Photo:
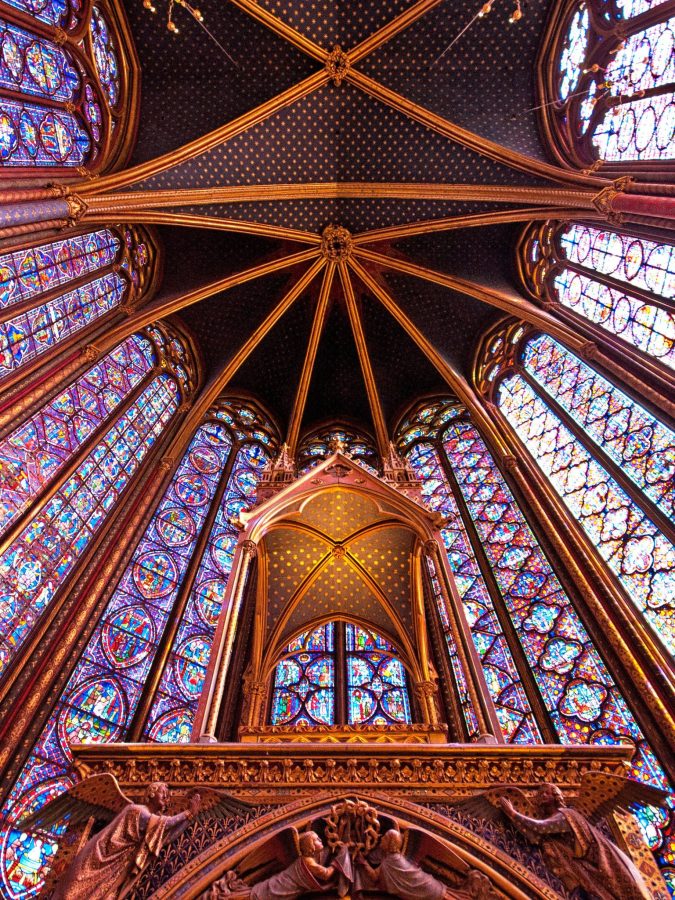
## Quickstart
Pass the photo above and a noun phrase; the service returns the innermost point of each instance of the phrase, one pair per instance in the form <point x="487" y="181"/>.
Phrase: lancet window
<point x="53" y="291"/>
<point x="609" y="88"/>
<point x="143" y="667"/>
<point x="340" y="673"/>
<point x="606" y="456"/>
<point x="318" y="446"/>
<point x="65" y="85"/>
<point x="621" y="283"/>
<point x="544" y="674"/>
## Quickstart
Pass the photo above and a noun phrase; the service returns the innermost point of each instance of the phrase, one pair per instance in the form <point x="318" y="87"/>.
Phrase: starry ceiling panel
<point x="339" y="513"/>
<point x="195" y="256"/>
<point x="485" y="82"/>
<point x="485" y="255"/>
<point x="338" y="591"/>
<point x="452" y="321"/>
<point x="291" y="556"/>
<point x="337" y="385"/>
<point x="224" y="322"/>
<point x="402" y="372"/>
<point x="354" y="214"/>
<point x="272" y="372"/>
<point x="189" y="87"/>
<point x="386" y="555"/>
<point x="336" y="134"/>
<point x="330" y="22"/>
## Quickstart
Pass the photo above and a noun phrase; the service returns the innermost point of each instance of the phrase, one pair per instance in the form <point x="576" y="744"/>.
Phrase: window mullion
<point x="341" y="712"/>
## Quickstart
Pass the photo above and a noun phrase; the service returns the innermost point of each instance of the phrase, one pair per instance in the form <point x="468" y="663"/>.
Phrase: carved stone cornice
<point x="421" y="769"/>
<point x="340" y="734"/>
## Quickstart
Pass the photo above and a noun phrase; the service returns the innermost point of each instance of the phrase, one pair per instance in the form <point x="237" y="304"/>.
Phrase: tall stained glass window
<point x="144" y="663"/>
<point x="610" y="96"/>
<point x="621" y="283"/>
<point x="62" y="93"/>
<point x="53" y="291"/>
<point x="607" y="457"/>
<point x="340" y="673"/>
<point x="318" y="446"/>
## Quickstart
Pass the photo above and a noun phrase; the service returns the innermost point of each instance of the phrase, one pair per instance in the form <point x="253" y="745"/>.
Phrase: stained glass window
<point x="304" y="681"/>
<point x="79" y="78"/>
<point x="377" y="692"/>
<point x="106" y="687"/>
<point x="34" y="453"/>
<point x="501" y="673"/>
<point x="621" y="283"/>
<point x="309" y="680"/>
<point x="55" y="290"/>
<point x="612" y="96"/>
<point x="318" y="446"/>
<point x="178" y="694"/>
<point x="641" y="557"/>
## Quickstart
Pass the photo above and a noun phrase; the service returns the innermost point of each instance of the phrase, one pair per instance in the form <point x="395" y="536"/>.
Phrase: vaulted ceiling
<point x="375" y="151"/>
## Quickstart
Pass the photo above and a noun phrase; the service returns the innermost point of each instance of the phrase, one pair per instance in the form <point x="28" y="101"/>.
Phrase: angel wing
<point x="274" y="855"/>
<point x="99" y="796"/>
<point x="486" y="805"/>
<point x="215" y="804"/>
<point x="601" y="792"/>
<point x="419" y="846"/>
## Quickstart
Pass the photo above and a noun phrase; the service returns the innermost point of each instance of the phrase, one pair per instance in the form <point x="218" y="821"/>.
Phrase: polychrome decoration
<point x="608" y="459"/>
<point x="53" y="291"/>
<point x="62" y="89"/>
<point x="621" y="283"/>
<point x="144" y="664"/>
<point x="609" y="93"/>
<point x="318" y="446"/>
<point x="311" y="687"/>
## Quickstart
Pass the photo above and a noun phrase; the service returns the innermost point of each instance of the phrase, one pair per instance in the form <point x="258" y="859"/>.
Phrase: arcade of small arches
<point x="194" y="589"/>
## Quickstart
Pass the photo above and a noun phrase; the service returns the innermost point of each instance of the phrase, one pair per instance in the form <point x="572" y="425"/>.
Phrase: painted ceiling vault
<point x="258" y="149"/>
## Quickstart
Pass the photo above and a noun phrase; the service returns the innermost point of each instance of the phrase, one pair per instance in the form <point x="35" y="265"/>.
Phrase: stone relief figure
<point x="402" y="877"/>
<point x="304" y="875"/>
<point x="111" y="861"/>
<point x="574" y="849"/>
<point x="357" y="858"/>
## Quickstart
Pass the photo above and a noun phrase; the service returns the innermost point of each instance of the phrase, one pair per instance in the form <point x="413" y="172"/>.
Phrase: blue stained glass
<point x="377" y="691"/>
<point x="501" y="674"/>
<point x="641" y="557"/>
<point x="304" y="684"/>
<point x="52" y="12"/>
<point x="176" y="700"/>
<point x="35" y="66"/>
<point x="30" y="334"/>
<point x="33" y="454"/>
<point x="32" y="135"/>
<point x="25" y="274"/>
<point x="105" y="56"/>
<point x="636" y="441"/>
<point x="37" y="562"/>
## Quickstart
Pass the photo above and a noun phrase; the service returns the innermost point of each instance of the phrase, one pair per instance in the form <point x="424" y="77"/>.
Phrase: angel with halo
<point x="111" y="861"/>
<point x="574" y="849"/>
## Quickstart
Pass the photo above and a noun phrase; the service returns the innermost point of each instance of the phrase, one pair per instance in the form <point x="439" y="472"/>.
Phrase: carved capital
<point x="337" y="65"/>
<point x="249" y="549"/>
<point x="91" y="352"/>
<point x="76" y="208"/>
<point x="509" y="462"/>
<point x="589" y="351"/>
<point x="426" y="689"/>
<point x="167" y="463"/>
<point x="604" y="200"/>
<point x="431" y="549"/>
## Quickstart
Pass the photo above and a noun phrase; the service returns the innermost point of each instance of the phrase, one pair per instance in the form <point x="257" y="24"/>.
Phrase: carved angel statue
<point x="111" y="861"/>
<point x="401" y="875"/>
<point x="577" y="852"/>
<point x="304" y="874"/>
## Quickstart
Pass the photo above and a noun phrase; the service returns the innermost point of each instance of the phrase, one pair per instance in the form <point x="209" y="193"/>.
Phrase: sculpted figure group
<point x="359" y="857"/>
